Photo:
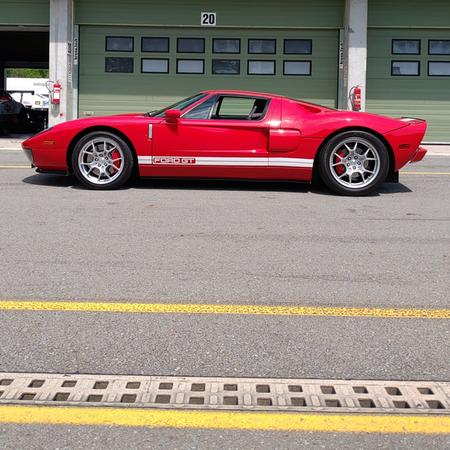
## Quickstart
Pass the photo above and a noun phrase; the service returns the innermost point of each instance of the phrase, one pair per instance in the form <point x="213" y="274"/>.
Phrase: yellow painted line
<point x="220" y="420"/>
<point x="424" y="173"/>
<point x="15" y="167"/>
<point x="195" y="308"/>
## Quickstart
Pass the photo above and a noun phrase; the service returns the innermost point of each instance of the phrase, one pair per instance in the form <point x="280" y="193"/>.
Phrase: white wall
<point x="60" y="58"/>
<point x="355" y="49"/>
<point x="27" y="84"/>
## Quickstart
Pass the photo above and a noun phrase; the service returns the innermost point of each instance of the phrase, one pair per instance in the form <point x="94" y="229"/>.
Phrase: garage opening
<point x="24" y="62"/>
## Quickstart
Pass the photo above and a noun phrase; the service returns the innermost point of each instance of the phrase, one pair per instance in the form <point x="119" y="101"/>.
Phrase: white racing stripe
<point x="225" y="161"/>
<point x="144" y="159"/>
<point x="290" y="162"/>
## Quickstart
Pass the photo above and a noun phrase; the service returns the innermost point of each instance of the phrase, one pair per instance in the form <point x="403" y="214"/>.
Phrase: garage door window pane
<point x="119" y="65"/>
<point x="226" y="66"/>
<point x="297" y="46"/>
<point x="226" y="45"/>
<point x="190" y="66"/>
<point x="405" y="68"/>
<point x="155" y="44"/>
<point x="438" y="47"/>
<point x="297" y="68"/>
<point x="439" y="68"/>
<point x="155" y="65"/>
<point x="405" y="46"/>
<point x="262" y="46"/>
<point x="191" y="45"/>
<point x="119" y="44"/>
<point x="261" y="67"/>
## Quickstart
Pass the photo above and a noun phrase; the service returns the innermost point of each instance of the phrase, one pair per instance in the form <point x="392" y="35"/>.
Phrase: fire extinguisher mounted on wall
<point x="54" y="88"/>
<point x="355" y="98"/>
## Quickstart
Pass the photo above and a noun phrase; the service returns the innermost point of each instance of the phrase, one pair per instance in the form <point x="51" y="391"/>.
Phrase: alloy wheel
<point x="101" y="161"/>
<point x="354" y="163"/>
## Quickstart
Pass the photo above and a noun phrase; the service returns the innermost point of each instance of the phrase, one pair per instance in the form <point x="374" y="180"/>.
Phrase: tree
<point x="26" y="73"/>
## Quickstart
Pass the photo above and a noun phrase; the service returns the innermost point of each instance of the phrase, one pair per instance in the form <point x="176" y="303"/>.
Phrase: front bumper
<point x="29" y="154"/>
<point x="419" y="155"/>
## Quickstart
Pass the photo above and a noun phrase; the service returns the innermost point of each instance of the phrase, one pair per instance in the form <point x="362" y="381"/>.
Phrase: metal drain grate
<point x="226" y="393"/>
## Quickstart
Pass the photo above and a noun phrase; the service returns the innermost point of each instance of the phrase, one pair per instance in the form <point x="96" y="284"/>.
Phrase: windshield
<point x="182" y="104"/>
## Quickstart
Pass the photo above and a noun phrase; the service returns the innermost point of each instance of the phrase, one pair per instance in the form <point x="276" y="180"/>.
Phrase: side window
<point x="201" y="111"/>
<point x="243" y="108"/>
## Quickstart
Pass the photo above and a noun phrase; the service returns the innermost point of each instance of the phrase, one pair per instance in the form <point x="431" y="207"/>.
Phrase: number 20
<point x="208" y="19"/>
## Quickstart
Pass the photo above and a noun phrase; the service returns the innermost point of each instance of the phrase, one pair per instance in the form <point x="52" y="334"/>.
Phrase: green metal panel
<point x="264" y="13"/>
<point x="423" y="96"/>
<point x="105" y="93"/>
<point x="24" y="12"/>
<point x="409" y="13"/>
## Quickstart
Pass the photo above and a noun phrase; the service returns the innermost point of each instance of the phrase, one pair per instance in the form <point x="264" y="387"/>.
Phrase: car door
<point x="291" y="155"/>
<point x="224" y="136"/>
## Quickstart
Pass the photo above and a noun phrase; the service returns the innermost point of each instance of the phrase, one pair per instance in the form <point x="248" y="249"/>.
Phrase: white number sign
<point x="208" y="19"/>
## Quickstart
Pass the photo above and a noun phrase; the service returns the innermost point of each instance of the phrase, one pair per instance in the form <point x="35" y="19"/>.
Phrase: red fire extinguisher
<point x="56" y="93"/>
<point x="355" y="98"/>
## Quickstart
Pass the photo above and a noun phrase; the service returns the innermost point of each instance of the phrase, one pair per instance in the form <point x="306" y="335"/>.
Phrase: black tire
<point x="342" y="187"/>
<point x="126" y="170"/>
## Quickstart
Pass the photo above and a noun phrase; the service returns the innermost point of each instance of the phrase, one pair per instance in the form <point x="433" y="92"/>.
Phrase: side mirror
<point x="172" y="115"/>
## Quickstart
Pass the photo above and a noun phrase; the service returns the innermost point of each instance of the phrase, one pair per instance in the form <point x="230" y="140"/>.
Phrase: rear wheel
<point x="102" y="160"/>
<point x="354" y="163"/>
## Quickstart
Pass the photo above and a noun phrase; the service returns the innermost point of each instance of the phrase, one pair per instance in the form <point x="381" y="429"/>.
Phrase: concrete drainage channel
<point x="243" y="394"/>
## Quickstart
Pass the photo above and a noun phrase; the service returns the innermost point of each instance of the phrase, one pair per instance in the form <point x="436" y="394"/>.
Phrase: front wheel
<point x="102" y="160"/>
<point x="354" y="163"/>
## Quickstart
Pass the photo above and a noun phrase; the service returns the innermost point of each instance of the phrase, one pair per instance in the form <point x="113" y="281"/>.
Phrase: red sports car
<point x="233" y="134"/>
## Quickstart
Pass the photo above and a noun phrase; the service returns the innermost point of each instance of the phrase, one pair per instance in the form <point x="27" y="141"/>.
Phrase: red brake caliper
<point x="116" y="164"/>
<point x="340" y="169"/>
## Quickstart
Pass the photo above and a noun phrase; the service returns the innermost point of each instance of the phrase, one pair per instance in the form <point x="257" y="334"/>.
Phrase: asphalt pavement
<point x="13" y="437"/>
<point x="223" y="242"/>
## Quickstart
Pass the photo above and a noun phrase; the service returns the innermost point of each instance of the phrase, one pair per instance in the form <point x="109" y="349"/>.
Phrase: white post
<point x="355" y="49"/>
<point x="60" y="58"/>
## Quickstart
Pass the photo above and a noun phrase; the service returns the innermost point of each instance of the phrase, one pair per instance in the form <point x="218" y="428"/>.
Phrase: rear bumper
<point x="405" y="142"/>
<point x="419" y="155"/>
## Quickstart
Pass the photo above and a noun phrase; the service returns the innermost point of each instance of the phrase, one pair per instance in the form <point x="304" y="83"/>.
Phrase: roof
<point x="237" y="92"/>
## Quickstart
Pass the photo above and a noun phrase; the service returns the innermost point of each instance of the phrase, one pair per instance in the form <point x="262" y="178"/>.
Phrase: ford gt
<point x="237" y="135"/>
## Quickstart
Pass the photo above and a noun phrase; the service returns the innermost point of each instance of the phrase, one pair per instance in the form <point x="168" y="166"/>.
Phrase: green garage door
<point x="408" y="74"/>
<point x="124" y="69"/>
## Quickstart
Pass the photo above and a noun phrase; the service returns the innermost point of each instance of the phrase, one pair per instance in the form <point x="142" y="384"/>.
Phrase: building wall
<point x="422" y="96"/>
<point x="24" y="12"/>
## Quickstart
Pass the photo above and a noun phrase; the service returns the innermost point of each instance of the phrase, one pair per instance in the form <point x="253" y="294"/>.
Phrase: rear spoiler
<point x="411" y="119"/>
